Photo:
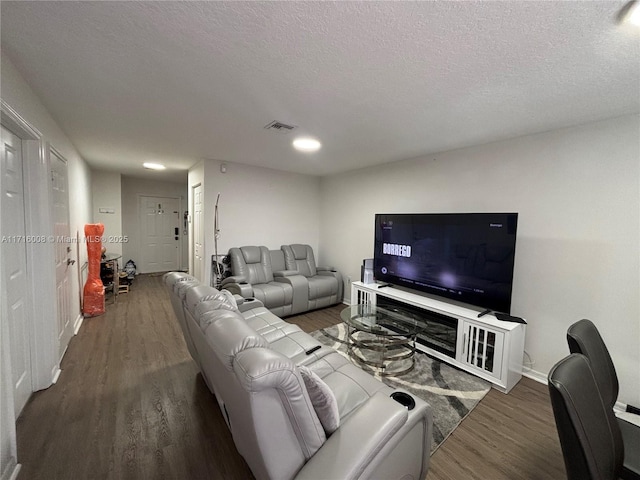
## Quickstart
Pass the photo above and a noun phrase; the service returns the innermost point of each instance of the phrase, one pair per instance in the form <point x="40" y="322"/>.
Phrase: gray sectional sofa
<point x="297" y="409"/>
<point x="287" y="281"/>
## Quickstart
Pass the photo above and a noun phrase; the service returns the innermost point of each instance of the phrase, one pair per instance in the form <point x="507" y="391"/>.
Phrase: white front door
<point x="160" y="233"/>
<point x="198" y="234"/>
<point x="14" y="243"/>
<point x="61" y="230"/>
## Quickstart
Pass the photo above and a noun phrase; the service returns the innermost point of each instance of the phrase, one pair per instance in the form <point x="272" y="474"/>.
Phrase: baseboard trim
<point x="11" y="471"/>
<point x="534" y="375"/>
<point x="620" y="407"/>
<point x="56" y="375"/>
<point x="78" y="323"/>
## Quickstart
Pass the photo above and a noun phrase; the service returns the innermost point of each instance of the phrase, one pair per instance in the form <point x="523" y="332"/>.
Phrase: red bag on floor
<point x="93" y="294"/>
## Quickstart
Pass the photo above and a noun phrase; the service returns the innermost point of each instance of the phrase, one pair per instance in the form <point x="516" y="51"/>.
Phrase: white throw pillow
<point x="323" y="400"/>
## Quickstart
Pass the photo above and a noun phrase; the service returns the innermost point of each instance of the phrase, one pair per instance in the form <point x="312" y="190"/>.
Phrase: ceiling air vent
<point x="279" y="127"/>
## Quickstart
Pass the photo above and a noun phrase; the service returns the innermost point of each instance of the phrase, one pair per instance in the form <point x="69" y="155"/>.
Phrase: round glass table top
<point x="381" y="321"/>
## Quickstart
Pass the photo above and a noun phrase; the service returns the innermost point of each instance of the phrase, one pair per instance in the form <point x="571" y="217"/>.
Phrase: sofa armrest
<point x="326" y="269"/>
<point x="249" y="304"/>
<point x="353" y="446"/>
<point x="285" y="273"/>
<point x="329" y="272"/>
<point x="234" y="279"/>
<point x="238" y="298"/>
<point x="300" y="286"/>
<point x="238" y="286"/>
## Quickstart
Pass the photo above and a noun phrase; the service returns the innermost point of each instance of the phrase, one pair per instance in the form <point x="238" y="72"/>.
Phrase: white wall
<point x="258" y="206"/>
<point x="132" y="189"/>
<point x="17" y="93"/>
<point x="578" y="250"/>
<point x="106" y="190"/>
<point x="19" y="96"/>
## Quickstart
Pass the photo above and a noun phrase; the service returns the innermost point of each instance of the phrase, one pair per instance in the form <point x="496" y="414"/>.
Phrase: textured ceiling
<point x="177" y="82"/>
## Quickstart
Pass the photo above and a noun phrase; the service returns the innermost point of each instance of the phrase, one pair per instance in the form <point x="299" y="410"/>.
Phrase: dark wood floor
<point x="130" y="404"/>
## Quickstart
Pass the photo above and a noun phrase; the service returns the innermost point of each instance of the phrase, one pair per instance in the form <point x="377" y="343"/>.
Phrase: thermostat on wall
<point x="106" y="210"/>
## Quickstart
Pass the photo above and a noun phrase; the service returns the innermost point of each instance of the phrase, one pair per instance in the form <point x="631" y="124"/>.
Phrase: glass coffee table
<point x="381" y="338"/>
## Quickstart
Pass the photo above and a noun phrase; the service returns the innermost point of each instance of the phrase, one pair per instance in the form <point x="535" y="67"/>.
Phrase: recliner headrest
<point x="229" y="334"/>
<point x="205" y="310"/>
<point x="171" y="278"/>
<point x="197" y="294"/>
<point x="251" y="254"/>
<point x="181" y="288"/>
<point x="300" y="251"/>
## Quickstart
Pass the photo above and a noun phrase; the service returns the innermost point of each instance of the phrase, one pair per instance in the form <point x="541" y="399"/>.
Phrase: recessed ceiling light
<point x="306" y="144"/>
<point x="630" y="13"/>
<point x="153" y="166"/>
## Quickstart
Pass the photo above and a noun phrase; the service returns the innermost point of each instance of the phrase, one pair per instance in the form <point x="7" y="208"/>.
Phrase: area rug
<point x="451" y="393"/>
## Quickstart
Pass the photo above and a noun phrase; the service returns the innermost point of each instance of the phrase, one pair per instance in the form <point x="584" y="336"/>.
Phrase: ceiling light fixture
<point x="306" y="144"/>
<point x="153" y="166"/>
<point x="630" y="13"/>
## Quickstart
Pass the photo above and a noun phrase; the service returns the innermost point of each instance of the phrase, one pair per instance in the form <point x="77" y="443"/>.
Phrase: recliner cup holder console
<point x="404" y="399"/>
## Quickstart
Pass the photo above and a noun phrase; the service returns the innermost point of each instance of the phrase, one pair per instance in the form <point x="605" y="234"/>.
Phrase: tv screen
<point x="468" y="257"/>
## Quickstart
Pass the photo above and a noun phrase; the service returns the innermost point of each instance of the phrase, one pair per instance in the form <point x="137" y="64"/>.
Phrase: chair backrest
<point x="252" y="263"/>
<point x="172" y="280"/>
<point x="218" y="335"/>
<point x="588" y="430"/>
<point x="300" y="257"/>
<point x="273" y="421"/>
<point x="197" y="294"/>
<point x="583" y="337"/>
<point x="277" y="260"/>
<point x="260" y="392"/>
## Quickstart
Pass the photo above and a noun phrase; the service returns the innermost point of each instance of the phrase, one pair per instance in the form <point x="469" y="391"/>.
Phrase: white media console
<point x="487" y="347"/>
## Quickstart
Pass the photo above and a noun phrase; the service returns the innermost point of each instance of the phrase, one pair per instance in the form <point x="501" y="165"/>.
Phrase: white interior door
<point x="160" y="233"/>
<point x="14" y="243"/>
<point x="61" y="230"/>
<point x="198" y="234"/>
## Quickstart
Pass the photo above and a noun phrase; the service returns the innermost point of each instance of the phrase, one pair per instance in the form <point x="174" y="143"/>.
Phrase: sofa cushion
<point x="274" y="294"/>
<point x="261" y="317"/>
<point x="323" y="400"/>
<point x="351" y="385"/>
<point x="295" y="344"/>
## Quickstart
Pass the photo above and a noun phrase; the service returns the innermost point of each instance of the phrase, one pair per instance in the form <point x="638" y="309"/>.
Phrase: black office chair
<point x="583" y="337"/>
<point x="589" y="435"/>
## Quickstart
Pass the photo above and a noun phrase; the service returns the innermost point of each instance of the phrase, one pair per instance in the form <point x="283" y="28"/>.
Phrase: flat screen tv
<point x="468" y="257"/>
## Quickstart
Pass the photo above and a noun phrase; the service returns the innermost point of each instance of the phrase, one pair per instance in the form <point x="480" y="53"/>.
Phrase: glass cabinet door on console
<point x="482" y="348"/>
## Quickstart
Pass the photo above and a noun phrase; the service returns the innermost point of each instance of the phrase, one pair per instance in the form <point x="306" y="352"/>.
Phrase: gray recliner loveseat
<point x="296" y="409"/>
<point x="287" y="281"/>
